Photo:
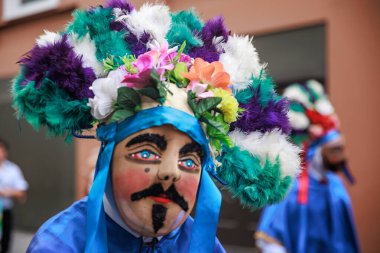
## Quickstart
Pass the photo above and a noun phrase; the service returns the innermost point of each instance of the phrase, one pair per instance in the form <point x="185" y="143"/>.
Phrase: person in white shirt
<point x="13" y="186"/>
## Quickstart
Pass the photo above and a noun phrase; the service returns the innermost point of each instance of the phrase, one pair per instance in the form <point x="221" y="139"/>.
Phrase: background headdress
<point x="311" y="113"/>
<point x="314" y="123"/>
<point x="113" y="62"/>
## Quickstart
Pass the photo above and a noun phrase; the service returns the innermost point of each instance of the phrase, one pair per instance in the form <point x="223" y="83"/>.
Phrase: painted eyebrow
<point x="191" y="148"/>
<point x="158" y="140"/>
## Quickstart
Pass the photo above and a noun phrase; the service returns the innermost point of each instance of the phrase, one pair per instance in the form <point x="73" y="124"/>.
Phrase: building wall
<point x="352" y="61"/>
<point x="352" y="66"/>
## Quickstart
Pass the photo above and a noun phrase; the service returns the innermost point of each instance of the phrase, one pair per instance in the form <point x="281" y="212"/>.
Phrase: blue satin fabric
<point x="66" y="232"/>
<point x="329" y="136"/>
<point x="329" y="223"/>
<point x="209" y="197"/>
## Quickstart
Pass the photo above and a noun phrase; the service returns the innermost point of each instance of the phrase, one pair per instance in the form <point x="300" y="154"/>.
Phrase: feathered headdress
<point x="113" y="62"/>
<point x="311" y="113"/>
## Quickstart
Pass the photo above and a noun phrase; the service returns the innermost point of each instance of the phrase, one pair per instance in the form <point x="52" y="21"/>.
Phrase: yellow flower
<point x="229" y="105"/>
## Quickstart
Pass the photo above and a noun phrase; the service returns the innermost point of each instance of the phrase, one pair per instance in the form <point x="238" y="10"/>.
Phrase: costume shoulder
<point x="65" y="231"/>
<point x="179" y="241"/>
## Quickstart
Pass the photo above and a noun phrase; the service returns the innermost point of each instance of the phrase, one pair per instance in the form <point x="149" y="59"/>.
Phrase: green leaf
<point x="128" y="98"/>
<point x="121" y="115"/>
<point x="180" y="68"/>
<point x="128" y="63"/>
<point x="215" y="124"/>
<point x="206" y="104"/>
<point x="149" y="92"/>
<point x="191" y="102"/>
<point x="180" y="51"/>
<point x="109" y="64"/>
<point x="155" y="77"/>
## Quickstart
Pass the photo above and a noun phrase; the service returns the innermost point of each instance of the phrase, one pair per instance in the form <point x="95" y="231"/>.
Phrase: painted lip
<point x="161" y="199"/>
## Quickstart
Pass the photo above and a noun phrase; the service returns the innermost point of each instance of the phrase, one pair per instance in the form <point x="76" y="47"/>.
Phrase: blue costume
<point x="328" y="202"/>
<point x="316" y="215"/>
<point x="66" y="231"/>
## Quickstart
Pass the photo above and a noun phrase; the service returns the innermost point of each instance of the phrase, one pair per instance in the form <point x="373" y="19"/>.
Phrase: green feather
<point x="50" y="106"/>
<point x="96" y="23"/>
<point x="254" y="183"/>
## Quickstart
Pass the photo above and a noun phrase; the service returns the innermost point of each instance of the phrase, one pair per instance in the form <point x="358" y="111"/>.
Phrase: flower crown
<point x="113" y="61"/>
<point x="149" y="77"/>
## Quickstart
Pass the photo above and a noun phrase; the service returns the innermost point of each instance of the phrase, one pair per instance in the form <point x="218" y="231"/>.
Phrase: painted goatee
<point x="158" y="216"/>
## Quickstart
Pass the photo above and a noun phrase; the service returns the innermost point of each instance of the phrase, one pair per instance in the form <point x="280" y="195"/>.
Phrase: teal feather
<point x="255" y="184"/>
<point x="190" y="18"/>
<point x="186" y="26"/>
<point x="50" y="106"/>
<point x="264" y="84"/>
<point x="96" y="23"/>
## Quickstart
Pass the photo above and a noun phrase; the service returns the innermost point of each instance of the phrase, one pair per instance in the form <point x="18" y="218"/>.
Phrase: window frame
<point x="15" y="9"/>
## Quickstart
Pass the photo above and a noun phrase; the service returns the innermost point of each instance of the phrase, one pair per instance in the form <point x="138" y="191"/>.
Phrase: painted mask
<point x="155" y="176"/>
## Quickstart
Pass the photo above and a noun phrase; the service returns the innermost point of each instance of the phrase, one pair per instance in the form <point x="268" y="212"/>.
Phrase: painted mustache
<point x="157" y="191"/>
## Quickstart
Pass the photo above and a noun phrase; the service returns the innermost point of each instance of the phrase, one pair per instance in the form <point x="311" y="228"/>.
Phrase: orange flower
<point x="209" y="73"/>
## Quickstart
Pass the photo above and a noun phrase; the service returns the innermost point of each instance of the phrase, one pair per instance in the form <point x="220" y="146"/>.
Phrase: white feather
<point x="271" y="145"/>
<point x="324" y="106"/>
<point x="316" y="86"/>
<point x="298" y="120"/>
<point x="85" y="47"/>
<point x="240" y="60"/>
<point x="153" y="19"/>
<point x="296" y="94"/>
<point x="48" y="38"/>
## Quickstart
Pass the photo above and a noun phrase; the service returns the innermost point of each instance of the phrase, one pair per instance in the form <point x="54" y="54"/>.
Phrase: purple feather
<point x="138" y="45"/>
<point x="121" y="4"/>
<point x="213" y="28"/>
<point x="59" y="63"/>
<point x="263" y="119"/>
<point x="117" y="26"/>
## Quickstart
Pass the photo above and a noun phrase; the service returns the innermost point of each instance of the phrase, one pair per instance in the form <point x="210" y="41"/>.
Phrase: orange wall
<point x="353" y="36"/>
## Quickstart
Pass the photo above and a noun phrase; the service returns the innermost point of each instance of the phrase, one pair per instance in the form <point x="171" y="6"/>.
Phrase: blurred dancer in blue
<point x="13" y="186"/>
<point x="176" y="102"/>
<point x="316" y="216"/>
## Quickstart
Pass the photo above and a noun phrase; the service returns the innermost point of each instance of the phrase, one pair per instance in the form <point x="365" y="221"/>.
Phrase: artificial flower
<point x="105" y="94"/>
<point x="212" y="74"/>
<point x="229" y="105"/>
<point x="200" y="90"/>
<point x="160" y="58"/>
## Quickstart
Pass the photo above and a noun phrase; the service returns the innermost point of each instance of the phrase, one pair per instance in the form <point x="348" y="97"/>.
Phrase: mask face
<point x="334" y="157"/>
<point x="155" y="178"/>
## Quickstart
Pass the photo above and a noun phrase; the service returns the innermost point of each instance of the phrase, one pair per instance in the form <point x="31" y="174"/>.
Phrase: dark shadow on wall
<point x="47" y="164"/>
<point x="292" y="56"/>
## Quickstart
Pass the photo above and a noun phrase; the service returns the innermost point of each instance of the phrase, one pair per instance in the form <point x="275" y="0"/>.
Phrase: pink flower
<point x="199" y="89"/>
<point x="139" y="80"/>
<point x="144" y="62"/>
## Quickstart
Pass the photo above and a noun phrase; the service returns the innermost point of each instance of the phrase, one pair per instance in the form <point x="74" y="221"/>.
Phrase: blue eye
<point x="145" y="155"/>
<point x="188" y="164"/>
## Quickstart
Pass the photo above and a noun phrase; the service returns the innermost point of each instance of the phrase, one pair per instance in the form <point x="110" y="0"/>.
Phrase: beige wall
<point x="353" y="36"/>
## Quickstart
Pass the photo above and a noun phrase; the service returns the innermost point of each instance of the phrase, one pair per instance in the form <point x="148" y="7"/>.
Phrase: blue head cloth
<point x="328" y="137"/>
<point x="208" y="199"/>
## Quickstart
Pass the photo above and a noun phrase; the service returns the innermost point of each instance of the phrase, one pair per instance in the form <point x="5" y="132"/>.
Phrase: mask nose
<point x="168" y="173"/>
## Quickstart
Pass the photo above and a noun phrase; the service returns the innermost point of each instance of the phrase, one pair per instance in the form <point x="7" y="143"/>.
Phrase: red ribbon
<point x="303" y="181"/>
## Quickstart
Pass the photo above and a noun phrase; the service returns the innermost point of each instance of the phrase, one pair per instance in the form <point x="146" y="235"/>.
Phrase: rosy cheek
<point x="188" y="187"/>
<point x="130" y="181"/>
